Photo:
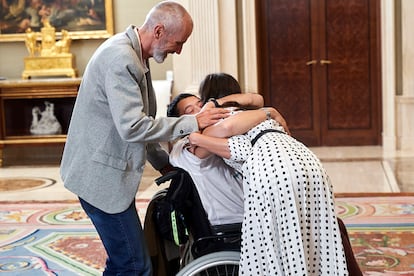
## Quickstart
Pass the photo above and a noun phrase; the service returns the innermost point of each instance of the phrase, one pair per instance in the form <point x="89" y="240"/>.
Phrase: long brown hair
<point x="218" y="85"/>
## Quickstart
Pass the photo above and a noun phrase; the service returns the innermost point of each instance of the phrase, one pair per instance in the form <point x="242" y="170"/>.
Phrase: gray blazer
<point x="112" y="131"/>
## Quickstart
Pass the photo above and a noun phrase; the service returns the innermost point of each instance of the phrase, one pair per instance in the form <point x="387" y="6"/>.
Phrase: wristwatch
<point x="268" y="114"/>
<point x="216" y="104"/>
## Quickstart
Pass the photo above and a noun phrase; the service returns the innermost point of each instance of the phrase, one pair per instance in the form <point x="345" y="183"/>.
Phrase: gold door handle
<point x="311" y="62"/>
<point x="325" y="61"/>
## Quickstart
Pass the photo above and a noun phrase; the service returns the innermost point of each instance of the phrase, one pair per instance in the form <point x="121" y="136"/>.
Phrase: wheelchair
<point x="211" y="249"/>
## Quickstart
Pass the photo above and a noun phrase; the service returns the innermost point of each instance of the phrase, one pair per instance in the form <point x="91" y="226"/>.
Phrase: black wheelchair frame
<point x="215" y="249"/>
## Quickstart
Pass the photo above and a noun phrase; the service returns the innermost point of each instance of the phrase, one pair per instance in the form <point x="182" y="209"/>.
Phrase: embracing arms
<point x="214" y="138"/>
<point x="239" y="123"/>
<point x="246" y="100"/>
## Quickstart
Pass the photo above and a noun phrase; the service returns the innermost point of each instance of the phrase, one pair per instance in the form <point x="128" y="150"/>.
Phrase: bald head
<point x="171" y="14"/>
<point x="165" y="30"/>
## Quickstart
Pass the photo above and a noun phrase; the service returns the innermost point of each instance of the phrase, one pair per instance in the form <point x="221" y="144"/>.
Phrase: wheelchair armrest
<point x="226" y="228"/>
<point x="217" y="242"/>
<point x="218" y="237"/>
<point x="168" y="176"/>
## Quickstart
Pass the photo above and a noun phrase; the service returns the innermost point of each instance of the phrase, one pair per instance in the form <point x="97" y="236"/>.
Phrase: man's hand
<point x="210" y="116"/>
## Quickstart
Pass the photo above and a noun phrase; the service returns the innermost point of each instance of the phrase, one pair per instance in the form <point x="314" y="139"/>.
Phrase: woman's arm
<point x="243" y="121"/>
<point x="238" y="123"/>
<point x="279" y="118"/>
<point x="251" y="100"/>
<point x="250" y="118"/>
<point x="203" y="145"/>
<point x="209" y="142"/>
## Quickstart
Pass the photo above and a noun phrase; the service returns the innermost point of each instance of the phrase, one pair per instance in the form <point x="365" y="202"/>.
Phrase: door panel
<point x="319" y="66"/>
<point x="351" y="90"/>
<point x="290" y="82"/>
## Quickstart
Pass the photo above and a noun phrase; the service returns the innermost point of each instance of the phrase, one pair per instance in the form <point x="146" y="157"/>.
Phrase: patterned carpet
<point x="58" y="239"/>
<point x="50" y="239"/>
<point x="381" y="229"/>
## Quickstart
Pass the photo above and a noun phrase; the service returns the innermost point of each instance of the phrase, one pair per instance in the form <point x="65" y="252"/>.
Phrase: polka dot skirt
<point x="289" y="226"/>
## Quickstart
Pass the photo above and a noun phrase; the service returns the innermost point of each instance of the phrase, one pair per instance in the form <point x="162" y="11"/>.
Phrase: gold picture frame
<point x="82" y="20"/>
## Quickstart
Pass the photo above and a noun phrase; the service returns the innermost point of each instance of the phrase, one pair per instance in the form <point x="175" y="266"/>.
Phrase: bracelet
<point x="216" y="104"/>
<point x="268" y="115"/>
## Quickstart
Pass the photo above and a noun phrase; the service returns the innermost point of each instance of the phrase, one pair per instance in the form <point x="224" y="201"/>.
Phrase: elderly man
<point x="113" y="132"/>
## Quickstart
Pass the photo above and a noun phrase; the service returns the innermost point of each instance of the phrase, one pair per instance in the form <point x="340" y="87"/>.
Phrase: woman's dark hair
<point x="172" y="110"/>
<point x="217" y="86"/>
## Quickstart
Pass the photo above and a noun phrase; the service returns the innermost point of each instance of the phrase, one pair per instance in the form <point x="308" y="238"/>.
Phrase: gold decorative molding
<point x="49" y="66"/>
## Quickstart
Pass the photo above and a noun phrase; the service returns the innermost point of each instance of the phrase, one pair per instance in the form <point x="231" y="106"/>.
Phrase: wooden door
<point x="319" y="65"/>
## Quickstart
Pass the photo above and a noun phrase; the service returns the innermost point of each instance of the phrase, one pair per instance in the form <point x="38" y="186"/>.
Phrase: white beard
<point x="159" y="56"/>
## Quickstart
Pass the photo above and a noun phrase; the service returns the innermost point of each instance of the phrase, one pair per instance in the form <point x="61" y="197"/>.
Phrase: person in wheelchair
<point x="216" y="225"/>
<point x="189" y="104"/>
<point x="218" y="185"/>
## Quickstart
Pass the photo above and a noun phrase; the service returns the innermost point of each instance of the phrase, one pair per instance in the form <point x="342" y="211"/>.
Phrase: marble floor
<point x="364" y="169"/>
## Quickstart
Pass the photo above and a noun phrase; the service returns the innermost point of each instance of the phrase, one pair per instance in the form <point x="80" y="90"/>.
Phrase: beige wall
<point x="125" y="12"/>
<point x="405" y="97"/>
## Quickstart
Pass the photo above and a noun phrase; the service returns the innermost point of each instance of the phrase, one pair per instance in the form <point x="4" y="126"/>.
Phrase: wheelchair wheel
<point x="225" y="263"/>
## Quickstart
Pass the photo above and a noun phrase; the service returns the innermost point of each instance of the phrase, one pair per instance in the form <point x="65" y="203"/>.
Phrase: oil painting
<point x="83" y="19"/>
